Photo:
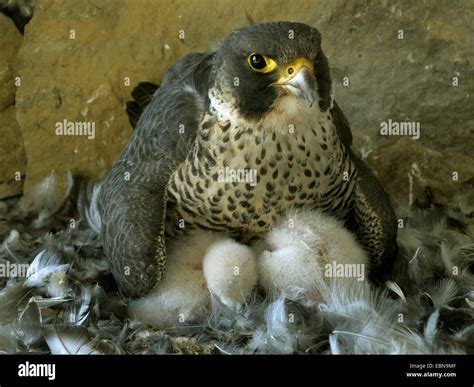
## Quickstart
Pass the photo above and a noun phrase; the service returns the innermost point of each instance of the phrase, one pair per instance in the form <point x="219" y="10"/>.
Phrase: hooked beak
<point x="297" y="78"/>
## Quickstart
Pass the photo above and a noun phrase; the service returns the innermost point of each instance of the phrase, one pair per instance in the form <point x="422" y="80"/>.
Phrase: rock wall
<point x="12" y="154"/>
<point x="397" y="60"/>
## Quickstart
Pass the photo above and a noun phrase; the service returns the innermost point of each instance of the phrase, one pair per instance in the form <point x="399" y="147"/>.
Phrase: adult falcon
<point x="263" y="101"/>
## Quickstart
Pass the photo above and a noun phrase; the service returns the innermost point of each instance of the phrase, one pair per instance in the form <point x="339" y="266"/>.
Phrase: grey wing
<point x="372" y="218"/>
<point x="342" y="125"/>
<point x="133" y="194"/>
<point x="374" y="221"/>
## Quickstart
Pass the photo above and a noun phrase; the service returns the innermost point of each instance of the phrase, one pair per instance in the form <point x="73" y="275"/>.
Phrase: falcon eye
<point x="257" y="61"/>
<point x="261" y="63"/>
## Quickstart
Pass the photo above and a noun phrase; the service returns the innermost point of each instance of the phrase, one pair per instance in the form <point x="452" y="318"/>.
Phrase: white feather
<point x="469" y="302"/>
<point x="275" y="336"/>
<point x="446" y="255"/>
<point x="431" y="327"/>
<point x="44" y="200"/>
<point x="83" y="312"/>
<point x="393" y="286"/>
<point x="444" y="293"/>
<point x="44" y="264"/>
<point x="11" y="244"/>
<point x="334" y="345"/>
<point x="69" y="340"/>
<point x="88" y="205"/>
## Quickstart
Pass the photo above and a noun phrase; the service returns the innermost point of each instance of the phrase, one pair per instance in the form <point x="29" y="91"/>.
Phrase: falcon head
<point x="262" y="68"/>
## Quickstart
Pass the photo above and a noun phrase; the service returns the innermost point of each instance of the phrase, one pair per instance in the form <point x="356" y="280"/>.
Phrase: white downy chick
<point x="299" y="254"/>
<point x="230" y="269"/>
<point x="182" y="296"/>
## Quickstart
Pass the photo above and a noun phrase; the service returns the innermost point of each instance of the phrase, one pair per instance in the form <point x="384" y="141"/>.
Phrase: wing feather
<point x="372" y="218"/>
<point x="133" y="194"/>
<point x="342" y="125"/>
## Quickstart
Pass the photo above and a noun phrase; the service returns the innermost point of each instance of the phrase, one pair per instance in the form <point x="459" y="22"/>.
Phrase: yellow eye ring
<point x="261" y="63"/>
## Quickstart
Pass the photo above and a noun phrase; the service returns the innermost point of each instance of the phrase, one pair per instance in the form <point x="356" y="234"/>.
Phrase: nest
<point x="64" y="299"/>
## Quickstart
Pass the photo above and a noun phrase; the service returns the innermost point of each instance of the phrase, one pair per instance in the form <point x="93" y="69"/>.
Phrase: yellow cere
<point x="292" y="68"/>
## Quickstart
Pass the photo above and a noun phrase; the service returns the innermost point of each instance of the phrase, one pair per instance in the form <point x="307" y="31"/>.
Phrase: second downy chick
<point x="300" y="254"/>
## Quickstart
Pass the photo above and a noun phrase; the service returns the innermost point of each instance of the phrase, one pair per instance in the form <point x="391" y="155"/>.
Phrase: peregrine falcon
<point x="261" y="102"/>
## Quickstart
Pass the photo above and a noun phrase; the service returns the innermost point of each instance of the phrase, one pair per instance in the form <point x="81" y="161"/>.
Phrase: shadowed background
<point x="84" y="79"/>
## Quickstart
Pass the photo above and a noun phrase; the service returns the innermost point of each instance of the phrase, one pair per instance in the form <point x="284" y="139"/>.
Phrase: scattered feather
<point x="431" y="327"/>
<point x="88" y="205"/>
<point x="11" y="244"/>
<point x="84" y="308"/>
<point x="444" y="293"/>
<point x="70" y="297"/>
<point x="69" y="340"/>
<point x="334" y="344"/>
<point x="28" y="326"/>
<point x="11" y="298"/>
<point x="393" y="286"/>
<point x="469" y="302"/>
<point x="58" y="284"/>
<point x="50" y="302"/>
<point x="43" y="266"/>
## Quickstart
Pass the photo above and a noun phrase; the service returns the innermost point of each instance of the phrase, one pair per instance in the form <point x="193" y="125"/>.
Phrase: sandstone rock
<point x="409" y="79"/>
<point x="10" y="42"/>
<point x="407" y="168"/>
<point x="12" y="155"/>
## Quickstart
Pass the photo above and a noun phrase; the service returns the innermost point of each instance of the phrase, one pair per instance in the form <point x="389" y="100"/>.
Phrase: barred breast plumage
<point x="303" y="166"/>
